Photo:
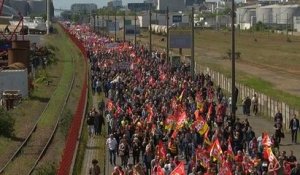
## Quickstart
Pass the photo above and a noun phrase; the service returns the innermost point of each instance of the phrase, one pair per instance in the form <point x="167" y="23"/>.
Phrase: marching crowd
<point x="171" y="123"/>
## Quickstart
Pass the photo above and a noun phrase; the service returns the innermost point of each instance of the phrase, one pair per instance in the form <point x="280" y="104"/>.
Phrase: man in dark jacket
<point x="294" y="127"/>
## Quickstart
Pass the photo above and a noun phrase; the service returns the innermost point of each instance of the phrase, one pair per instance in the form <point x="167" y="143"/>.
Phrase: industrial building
<point x="270" y="15"/>
<point x="173" y="5"/>
<point x="83" y="7"/>
<point x="161" y="19"/>
<point x="114" y="4"/>
<point x="139" y="6"/>
<point x="30" y="7"/>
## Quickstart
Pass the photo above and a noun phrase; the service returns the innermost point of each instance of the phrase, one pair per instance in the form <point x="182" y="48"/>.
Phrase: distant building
<point x="114" y="4"/>
<point x="276" y="16"/>
<point x="30" y="7"/>
<point x="193" y="2"/>
<point x="20" y="6"/>
<point x="139" y="6"/>
<point x="173" y="5"/>
<point x="83" y="7"/>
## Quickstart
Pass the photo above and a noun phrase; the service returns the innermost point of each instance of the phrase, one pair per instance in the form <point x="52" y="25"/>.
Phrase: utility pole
<point x="193" y="46"/>
<point x="217" y="15"/>
<point x="150" y="28"/>
<point x="124" y="28"/>
<point x="48" y="17"/>
<point x="168" y="47"/>
<point x="135" y="29"/>
<point x="115" y="25"/>
<point x="233" y="106"/>
<point x="107" y="27"/>
<point x="287" y="23"/>
<point x="94" y="18"/>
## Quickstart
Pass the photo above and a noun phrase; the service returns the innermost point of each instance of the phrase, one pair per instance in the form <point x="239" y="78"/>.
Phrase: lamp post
<point x="94" y="18"/>
<point x="150" y="28"/>
<point x="168" y="47"/>
<point x="115" y="25"/>
<point x="124" y="28"/>
<point x="135" y="29"/>
<point x="193" y="46"/>
<point x="233" y="89"/>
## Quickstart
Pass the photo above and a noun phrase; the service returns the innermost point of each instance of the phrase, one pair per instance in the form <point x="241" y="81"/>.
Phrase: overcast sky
<point x="66" y="4"/>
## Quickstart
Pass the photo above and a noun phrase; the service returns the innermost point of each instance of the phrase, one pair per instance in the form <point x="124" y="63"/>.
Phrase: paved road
<point x="93" y="148"/>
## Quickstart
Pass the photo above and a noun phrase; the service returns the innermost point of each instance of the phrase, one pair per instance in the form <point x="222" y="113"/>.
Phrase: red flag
<point x="150" y="113"/>
<point x="201" y="125"/>
<point x="110" y="105"/>
<point x="121" y="172"/>
<point x="266" y="141"/>
<point x="203" y="156"/>
<point x="175" y="133"/>
<point x="153" y="128"/>
<point x="161" y="150"/>
<point x="225" y="169"/>
<point x="129" y="111"/>
<point x="151" y="81"/>
<point x="181" y="117"/>
<point x="210" y="110"/>
<point x="173" y="104"/>
<point x="118" y="111"/>
<point x="229" y="150"/>
<point x="160" y="171"/>
<point x="197" y="116"/>
<point x="215" y="150"/>
<point x="272" y="159"/>
<point x="198" y="97"/>
<point x="179" y="170"/>
<point x="169" y="122"/>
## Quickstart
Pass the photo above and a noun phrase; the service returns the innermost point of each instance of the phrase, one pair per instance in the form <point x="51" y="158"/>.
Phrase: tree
<point x="6" y="124"/>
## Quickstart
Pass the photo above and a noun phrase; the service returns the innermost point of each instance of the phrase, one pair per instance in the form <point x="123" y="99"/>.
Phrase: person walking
<point x="112" y="145"/>
<point x="255" y="104"/>
<point x="90" y="123"/>
<point x="95" y="169"/>
<point x="294" y="127"/>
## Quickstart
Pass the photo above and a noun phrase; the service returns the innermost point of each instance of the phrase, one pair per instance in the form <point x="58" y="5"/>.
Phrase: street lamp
<point x="233" y="88"/>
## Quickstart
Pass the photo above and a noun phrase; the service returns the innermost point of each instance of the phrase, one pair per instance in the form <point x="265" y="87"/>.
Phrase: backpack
<point x="90" y="120"/>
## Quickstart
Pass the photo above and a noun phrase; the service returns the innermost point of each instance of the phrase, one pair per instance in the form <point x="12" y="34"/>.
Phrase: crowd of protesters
<point x="172" y="123"/>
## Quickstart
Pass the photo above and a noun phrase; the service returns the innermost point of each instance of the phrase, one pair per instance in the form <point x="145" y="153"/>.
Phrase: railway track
<point x="35" y="145"/>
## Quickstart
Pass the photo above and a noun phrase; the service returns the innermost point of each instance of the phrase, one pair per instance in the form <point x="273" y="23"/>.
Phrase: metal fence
<point x="267" y="106"/>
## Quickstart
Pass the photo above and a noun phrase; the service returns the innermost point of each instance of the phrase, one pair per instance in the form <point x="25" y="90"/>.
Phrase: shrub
<point x="6" y="124"/>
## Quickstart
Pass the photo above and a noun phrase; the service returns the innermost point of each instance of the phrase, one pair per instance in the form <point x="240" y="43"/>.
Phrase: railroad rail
<point x="44" y="147"/>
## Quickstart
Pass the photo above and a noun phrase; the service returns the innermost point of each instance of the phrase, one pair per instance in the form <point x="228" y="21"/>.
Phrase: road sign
<point x="177" y="18"/>
<point x="111" y="26"/>
<point x="180" y="39"/>
<point x="129" y="30"/>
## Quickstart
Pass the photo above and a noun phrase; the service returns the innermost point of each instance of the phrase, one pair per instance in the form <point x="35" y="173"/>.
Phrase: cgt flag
<point x="179" y="170"/>
<point x="200" y="125"/>
<point x="161" y="150"/>
<point x="215" y="150"/>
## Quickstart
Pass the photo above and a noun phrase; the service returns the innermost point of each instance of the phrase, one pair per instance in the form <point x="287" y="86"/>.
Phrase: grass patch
<point x="58" y="143"/>
<point x="259" y="85"/>
<point x="271" y="51"/>
<point x="31" y="108"/>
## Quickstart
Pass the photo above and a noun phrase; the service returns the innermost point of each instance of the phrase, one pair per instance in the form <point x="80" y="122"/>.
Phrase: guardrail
<point x="76" y="126"/>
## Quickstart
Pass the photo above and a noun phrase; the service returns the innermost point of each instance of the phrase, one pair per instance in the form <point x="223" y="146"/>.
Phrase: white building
<point x="115" y="3"/>
<point x="83" y="7"/>
<point x="173" y="5"/>
<point x="161" y="19"/>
